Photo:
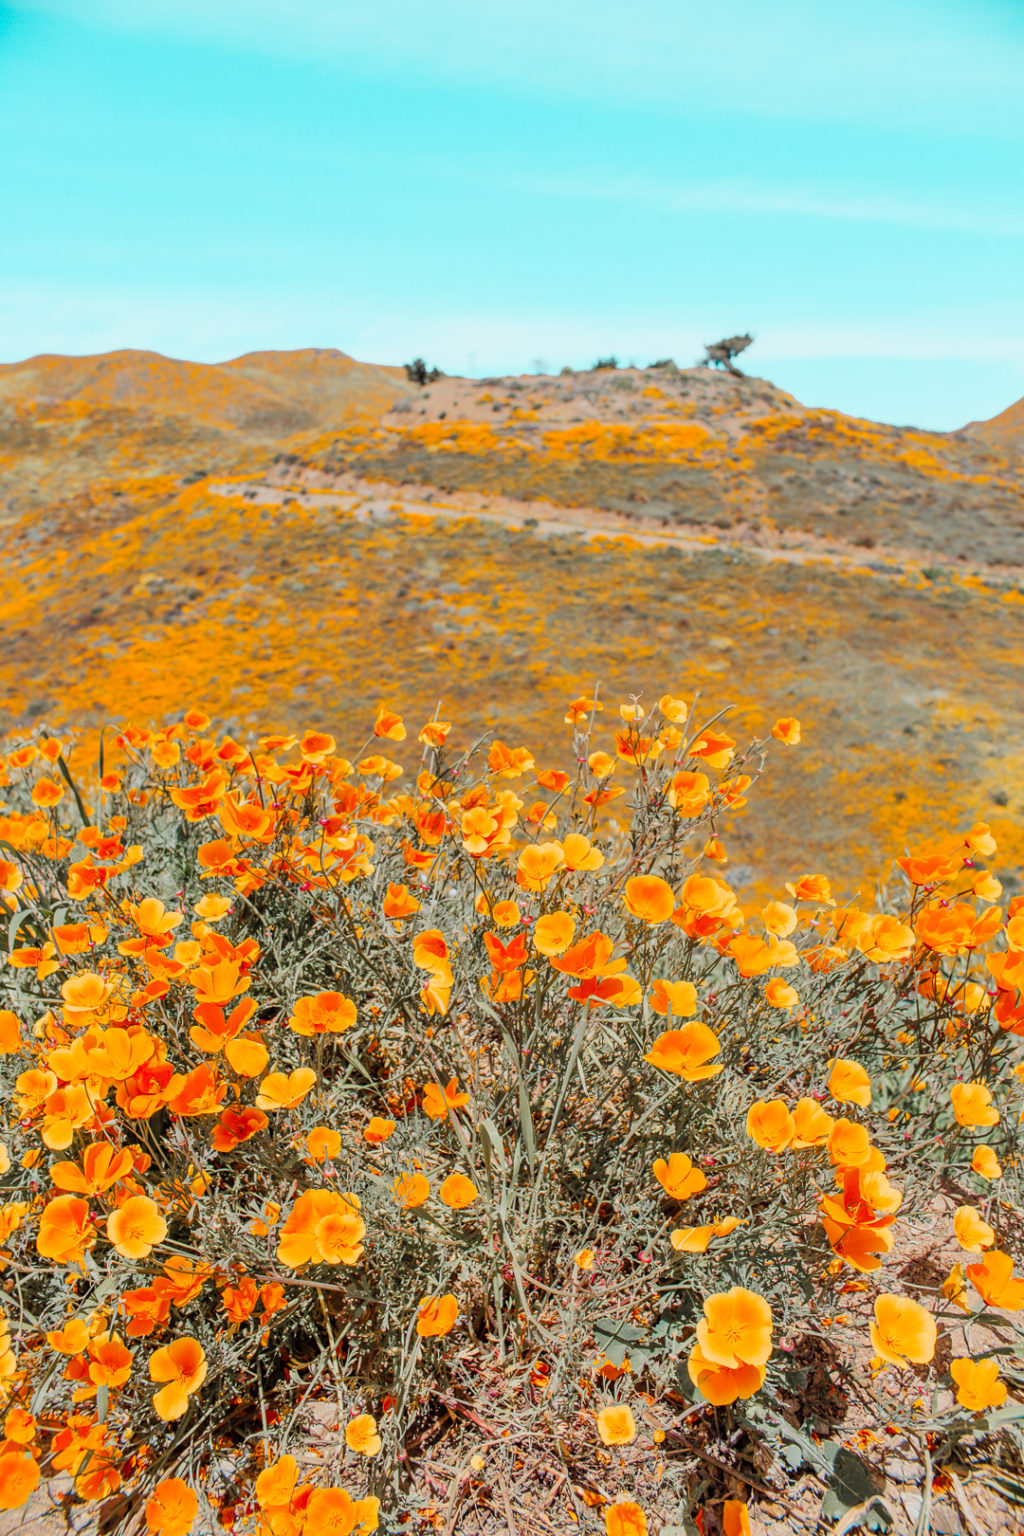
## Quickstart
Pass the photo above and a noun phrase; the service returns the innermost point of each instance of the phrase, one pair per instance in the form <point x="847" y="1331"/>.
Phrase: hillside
<point x="1004" y="431"/>
<point x="289" y="538"/>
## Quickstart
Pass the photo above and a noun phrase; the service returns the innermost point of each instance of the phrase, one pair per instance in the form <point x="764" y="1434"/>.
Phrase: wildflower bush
<point x="358" y="1114"/>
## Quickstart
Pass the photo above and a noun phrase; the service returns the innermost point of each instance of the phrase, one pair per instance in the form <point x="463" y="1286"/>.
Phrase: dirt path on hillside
<point x="379" y="501"/>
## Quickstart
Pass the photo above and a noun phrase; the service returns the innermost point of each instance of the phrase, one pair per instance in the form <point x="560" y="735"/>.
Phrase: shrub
<point x="453" y="1110"/>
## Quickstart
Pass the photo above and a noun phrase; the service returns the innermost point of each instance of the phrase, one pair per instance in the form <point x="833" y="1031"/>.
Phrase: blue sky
<point x="497" y="186"/>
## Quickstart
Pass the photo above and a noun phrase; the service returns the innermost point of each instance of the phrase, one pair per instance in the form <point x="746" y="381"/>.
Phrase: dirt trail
<point x="380" y="501"/>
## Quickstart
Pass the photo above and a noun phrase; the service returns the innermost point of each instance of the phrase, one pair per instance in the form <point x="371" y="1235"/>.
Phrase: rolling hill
<point x="288" y="538"/>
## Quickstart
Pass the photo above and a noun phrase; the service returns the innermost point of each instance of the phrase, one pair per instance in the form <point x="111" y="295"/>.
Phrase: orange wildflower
<point x="771" y="1125"/>
<point x="410" y="1190"/>
<point x="377" y="1130"/>
<point x="136" y="1227"/>
<point x="283" y="1090"/>
<point x="650" y="898"/>
<point x="978" y="1384"/>
<point x="848" y="1083"/>
<point x="438" y="1102"/>
<point x="19" y="1478"/>
<point x="64" y="1230"/>
<point x="182" y="1365"/>
<point x="986" y="1163"/>
<point x="326" y="1013"/>
<point x="686" y="1051"/>
<point x="735" y="1519"/>
<point x="361" y="1435"/>
<point x="902" y="1330"/>
<point x="553" y="933"/>
<point x="616" y="1424"/>
<point x="437" y="1316"/>
<point x="787" y="730"/>
<point x="172" y="1509"/>
<point x="995" y="1282"/>
<point x="323" y="1228"/>
<point x="625" y="1518"/>
<point x="972" y="1233"/>
<point x="972" y="1104"/>
<point x="678" y="1177"/>
<point x="458" y="1192"/>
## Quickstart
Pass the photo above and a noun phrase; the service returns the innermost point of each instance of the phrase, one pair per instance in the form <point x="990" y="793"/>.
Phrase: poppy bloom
<point x="172" y="1508"/>
<point x="580" y="855"/>
<point x="323" y="1144"/>
<point x="771" y="1125"/>
<point x="399" y="902"/>
<point x="333" y="1512"/>
<point x="537" y="864"/>
<point x="182" y="1365"/>
<point x="136" y="1227"/>
<point x="102" y="1166"/>
<point x="686" y="1051"/>
<point x="723" y="1384"/>
<point x="553" y="933"/>
<point x="438" y="1101"/>
<point x="323" y="1228"/>
<point x="676" y="997"/>
<point x="64" y="1229"/>
<point x="972" y="1104"/>
<point x="697" y="1239"/>
<point x="410" y="1190"/>
<point x="389" y="725"/>
<point x="328" y="1013"/>
<point x="678" y="1177"/>
<point x="616" y="1424"/>
<point x="972" y="1232"/>
<point x="903" y="1330"/>
<point x="848" y="1083"/>
<point x="458" y="1192"/>
<point x="978" y="1384"/>
<point x="787" y="730"/>
<point x="584" y="1259"/>
<point x="650" y="898"/>
<point x="779" y="994"/>
<point x="848" y="1143"/>
<point x="19" y="1478"/>
<point x="377" y="1130"/>
<point x="736" y="1328"/>
<point x="361" y="1435"/>
<point x="994" y="1281"/>
<point x="283" y="1090"/>
<point x="437" y="1316"/>
<point x="812" y="1124"/>
<point x="985" y="1163"/>
<point x="625" y="1519"/>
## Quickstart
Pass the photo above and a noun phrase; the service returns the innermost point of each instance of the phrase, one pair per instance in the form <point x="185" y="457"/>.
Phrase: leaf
<point x="616" y="1340"/>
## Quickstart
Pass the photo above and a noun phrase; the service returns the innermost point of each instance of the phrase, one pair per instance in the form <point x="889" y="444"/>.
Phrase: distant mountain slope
<point x="1005" y="430"/>
<point x="66" y="422"/>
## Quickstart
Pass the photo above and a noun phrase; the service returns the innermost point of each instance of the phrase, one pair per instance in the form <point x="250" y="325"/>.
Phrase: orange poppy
<point x="378" y="1130"/>
<point x="698" y="1239"/>
<point x="723" y="1384"/>
<point x="323" y="1144"/>
<point x="848" y="1083"/>
<point x="995" y="1283"/>
<point x="811" y="1123"/>
<point x="650" y="898"/>
<point x="848" y="1143"/>
<point x="787" y="730"/>
<point x="19" y="1478"/>
<point x="972" y="1233"/>
<point x="326" y="1013"/>
<point x="537" y="864"/>
<point x="978" y="1384"/>
<point x="616" y="1424"/>
<point x="678" y="1177"/>
<point x="389" y="725"/>
<point x="678" y="998"/>
<point x="735" y="1519"/>
<point x="553" y="933"/>
<point x="283" y="1090"/>
<point x="902" y="1330"/>
<point x="438" y="1102"/>
<point x="986" y="1163"/>
<point x="102" y="1166"/>
<point x="771" y="1125"/>
<point x="361" y="1435"/>
<point x="779" y="994"/>
<point x="972" y="1104"/>
<point x="182" y="1365"/>
<point x="410" y="1190"/>
<point x="736" y="1328"/>
<point x="437" y="1316"/>
<point x="323" y="1228"/>
<point x="458" y="1192"/>
<point x="136" y="1227"/>
<point x="172" y="1508"/>
<point x="64" y="1229"/>
<point x="686" y="1051"/>
<point x="625" y="1519"/>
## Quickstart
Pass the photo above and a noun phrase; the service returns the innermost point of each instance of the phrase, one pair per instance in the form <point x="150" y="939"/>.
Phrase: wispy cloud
<point x="954" y="65"/>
